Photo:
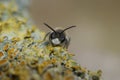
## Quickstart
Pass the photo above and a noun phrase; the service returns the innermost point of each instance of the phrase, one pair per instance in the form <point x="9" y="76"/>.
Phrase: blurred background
<point x="96" y="39"/>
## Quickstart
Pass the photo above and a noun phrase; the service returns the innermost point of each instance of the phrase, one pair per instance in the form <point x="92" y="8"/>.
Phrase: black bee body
<point x="58" y="37"/>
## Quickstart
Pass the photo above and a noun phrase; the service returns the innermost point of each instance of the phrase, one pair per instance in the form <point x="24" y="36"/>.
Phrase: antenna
<point x="67" y="28"/>
<point x="49" y="27"/>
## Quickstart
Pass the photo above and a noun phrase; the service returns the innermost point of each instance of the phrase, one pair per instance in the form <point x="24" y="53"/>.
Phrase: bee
<point x="58" y="37"/>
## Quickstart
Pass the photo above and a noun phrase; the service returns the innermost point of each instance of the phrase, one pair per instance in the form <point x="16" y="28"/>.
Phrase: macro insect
<point x="58" y="37"/>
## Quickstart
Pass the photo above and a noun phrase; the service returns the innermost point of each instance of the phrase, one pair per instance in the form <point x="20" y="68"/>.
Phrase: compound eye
<point x="62" y="37"/>
<point x="53" y="35"/>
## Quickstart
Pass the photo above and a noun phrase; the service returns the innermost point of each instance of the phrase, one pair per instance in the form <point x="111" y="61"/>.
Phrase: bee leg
<point x="46" y="36"/>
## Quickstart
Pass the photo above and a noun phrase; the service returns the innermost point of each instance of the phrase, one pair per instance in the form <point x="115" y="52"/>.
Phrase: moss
<point x="25" y="56"/>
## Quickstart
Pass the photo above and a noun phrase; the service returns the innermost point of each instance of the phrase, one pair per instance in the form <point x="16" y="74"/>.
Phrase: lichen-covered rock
<point x="25" y="56"/>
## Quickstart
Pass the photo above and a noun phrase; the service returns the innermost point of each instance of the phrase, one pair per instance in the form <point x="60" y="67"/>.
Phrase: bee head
<point x="58" y="36"/>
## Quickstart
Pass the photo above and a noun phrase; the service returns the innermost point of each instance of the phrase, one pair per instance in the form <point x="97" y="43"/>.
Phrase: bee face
<point x="57" y="37"/>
